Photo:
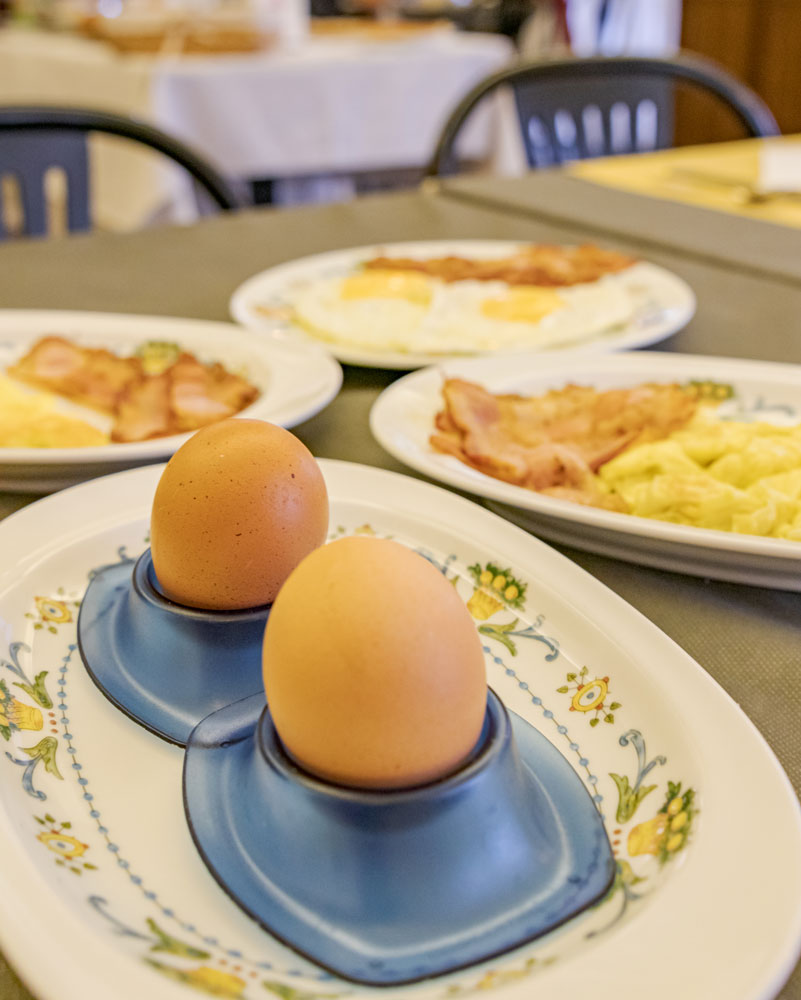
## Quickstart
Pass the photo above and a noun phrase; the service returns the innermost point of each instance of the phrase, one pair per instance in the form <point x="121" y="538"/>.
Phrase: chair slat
<point x="35" y="139"/>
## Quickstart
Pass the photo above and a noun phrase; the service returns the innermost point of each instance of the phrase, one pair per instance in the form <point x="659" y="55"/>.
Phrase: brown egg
<point x="373" y="667"/>
<point x="236" y="509"/>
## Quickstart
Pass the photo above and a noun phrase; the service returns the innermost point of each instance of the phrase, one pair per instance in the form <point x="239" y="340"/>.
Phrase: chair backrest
<point x="573" y="108"/>
<point x="33" y="140"/>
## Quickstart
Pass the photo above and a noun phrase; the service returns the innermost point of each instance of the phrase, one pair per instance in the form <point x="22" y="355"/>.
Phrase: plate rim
<point x="589" y="598"/>
<point x="241" y="312"/>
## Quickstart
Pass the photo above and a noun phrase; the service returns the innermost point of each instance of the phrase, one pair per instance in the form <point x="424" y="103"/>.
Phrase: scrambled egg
<point x="32" y="420"/>
<point x="741" y="477"/>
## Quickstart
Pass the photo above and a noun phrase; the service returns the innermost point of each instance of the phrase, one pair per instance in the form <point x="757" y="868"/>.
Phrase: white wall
<point x="639" y="27"/>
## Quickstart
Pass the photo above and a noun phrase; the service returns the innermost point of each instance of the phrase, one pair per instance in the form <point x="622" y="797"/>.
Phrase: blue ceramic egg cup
<point x="389" y="887"/>
<point x="165" y="665"/>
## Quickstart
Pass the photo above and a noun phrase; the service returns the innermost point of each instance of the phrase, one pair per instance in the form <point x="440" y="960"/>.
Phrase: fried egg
<point x="409" y="311"/>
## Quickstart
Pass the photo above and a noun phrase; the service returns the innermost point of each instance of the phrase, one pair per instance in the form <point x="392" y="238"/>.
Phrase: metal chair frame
<point x="35" y="139"/>
<point x="545" y="89"/>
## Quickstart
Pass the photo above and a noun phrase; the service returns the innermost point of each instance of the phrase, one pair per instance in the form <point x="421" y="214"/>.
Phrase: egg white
<point x="453" y="323"/>
<point x="384" y="324"/>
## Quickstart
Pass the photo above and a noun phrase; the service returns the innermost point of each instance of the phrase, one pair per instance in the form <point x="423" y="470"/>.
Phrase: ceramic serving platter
<point x="403" y="418"/>
<point x="662" y="302"/>
<point x="104" y="893"/>
<point x="296" y="381"/>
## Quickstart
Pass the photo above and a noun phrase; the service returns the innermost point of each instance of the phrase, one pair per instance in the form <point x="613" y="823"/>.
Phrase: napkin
<point x="779" y="167"/>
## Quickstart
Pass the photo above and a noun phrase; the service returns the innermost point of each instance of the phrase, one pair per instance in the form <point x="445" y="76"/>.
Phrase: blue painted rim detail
<point x="390" y="887"/>
<point x="165" y="665"/>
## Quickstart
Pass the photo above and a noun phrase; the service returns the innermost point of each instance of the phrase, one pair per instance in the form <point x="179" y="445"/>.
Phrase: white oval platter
<point x="402" y="419"/>
<point x="104" y="894"/>
<point x="296" y="381"/>
<point x="664" y="303"/>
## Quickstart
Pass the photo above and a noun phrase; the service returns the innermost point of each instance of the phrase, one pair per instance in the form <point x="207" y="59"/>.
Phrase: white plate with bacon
<point x="85" y="394"/>
<point x="682" y="462"/>
<point x="405" y="305"/>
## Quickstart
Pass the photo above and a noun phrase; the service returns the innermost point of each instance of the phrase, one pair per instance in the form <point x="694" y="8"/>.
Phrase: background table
<point x="334" y="106"/>
<point x="736" y="242"/>
<point x="723" y="176"/>
<point x="747" y="638"/>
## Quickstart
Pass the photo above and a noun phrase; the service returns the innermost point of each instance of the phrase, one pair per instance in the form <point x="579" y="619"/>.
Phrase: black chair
<point x="571" y="109"/>
<point x="35" y="139"/>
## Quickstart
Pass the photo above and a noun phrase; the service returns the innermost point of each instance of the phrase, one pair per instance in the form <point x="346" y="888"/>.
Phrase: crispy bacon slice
<point x="92" y="376"/>
<point x="201" y="394"/>
<point x="556" y="442"/>
<point x="185" y="396"/>
<point x="539" y="264"/>
<point x="144" y="411"/>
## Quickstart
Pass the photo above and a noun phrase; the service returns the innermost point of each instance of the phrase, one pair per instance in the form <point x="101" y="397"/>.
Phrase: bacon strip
<point x="555" y="443"/>
<point x="539" y="264"/>
<point x="92" y="376"/>
<point x="201" y="394"/>
<point x="144" y="411"/>
<point x="186" y="396"/>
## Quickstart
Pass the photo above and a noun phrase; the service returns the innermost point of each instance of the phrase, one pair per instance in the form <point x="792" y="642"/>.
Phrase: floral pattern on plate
<point x="527" y="665"/>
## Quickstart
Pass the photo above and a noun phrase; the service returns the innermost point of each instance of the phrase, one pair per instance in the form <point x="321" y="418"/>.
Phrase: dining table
<point x="746" y="275"/>
<point x="359" y="105"/>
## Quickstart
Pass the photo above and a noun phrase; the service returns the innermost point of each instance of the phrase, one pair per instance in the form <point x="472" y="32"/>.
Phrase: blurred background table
<point x="625" y="198"/>
<point x="727" y="176"/>
<point x="749" y="305"/>
<point x="345" y="109"/>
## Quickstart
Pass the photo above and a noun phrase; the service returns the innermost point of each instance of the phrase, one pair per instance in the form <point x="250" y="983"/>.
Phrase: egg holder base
<point x="165" y="665"/>
<point x="390" y="887"/>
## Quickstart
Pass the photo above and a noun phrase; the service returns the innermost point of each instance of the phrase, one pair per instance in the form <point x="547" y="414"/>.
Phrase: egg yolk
<point x="373" y="667"/>
<point x="408" y="285"/>
<point x="523" y="304"/>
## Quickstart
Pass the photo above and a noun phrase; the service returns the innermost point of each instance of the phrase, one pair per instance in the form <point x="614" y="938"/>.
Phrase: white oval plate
<point x="402" y="419"/>
<point x="296" y="381"/>
<point x="664" y="303"/>
<point x="104" y="894"/>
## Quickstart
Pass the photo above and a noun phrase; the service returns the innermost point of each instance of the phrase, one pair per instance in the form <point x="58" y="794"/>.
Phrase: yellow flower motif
<point x="679" y="821"/>
<point x="60" y="843"/>
<point x="483" y="605"/>
<point x="21" y="716"/>
<point x="675" y="805"/>
<point x="498" y="977"/>
<point x="646" y="837"/>
<point x="215" y="982"/>
<point x="590" y="696"/>
<point x="53" y="611"/>
<point x="499" y="583"/>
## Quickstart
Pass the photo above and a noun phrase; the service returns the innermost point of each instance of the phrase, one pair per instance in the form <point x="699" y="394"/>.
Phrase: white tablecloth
<point x="334" y="105"/>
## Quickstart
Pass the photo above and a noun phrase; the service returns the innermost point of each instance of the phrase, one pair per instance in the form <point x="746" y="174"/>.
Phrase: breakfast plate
<point x="295" y="381"/>
<point x="300" y="299"/>
<point x="101" y="880"/>
<point x="403" y="418"/>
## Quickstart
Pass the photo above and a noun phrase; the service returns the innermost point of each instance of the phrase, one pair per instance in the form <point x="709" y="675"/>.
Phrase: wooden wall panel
<point x="759" y="41"/>
<point x="775" y="71"/>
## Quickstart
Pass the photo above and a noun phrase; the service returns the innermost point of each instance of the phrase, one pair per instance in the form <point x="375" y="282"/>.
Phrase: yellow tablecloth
<point x="719" y="176"/>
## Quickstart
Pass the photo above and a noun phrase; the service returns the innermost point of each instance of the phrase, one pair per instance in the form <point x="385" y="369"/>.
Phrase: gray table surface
<point x="749" y="305"/>
<point x="649" y="225"/>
